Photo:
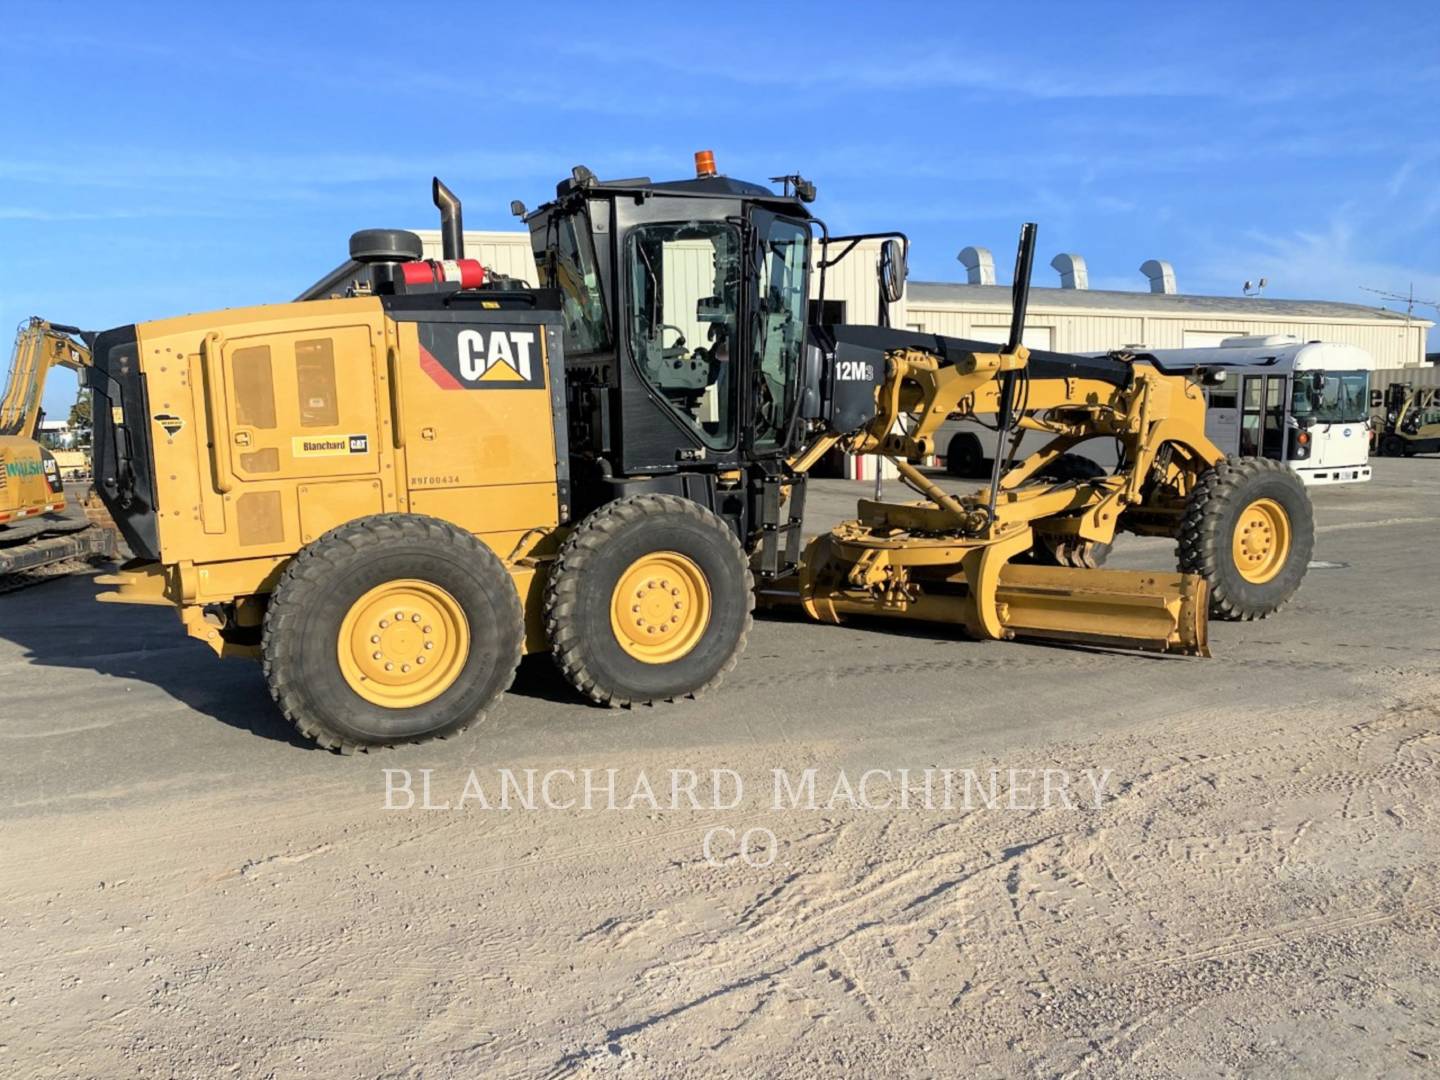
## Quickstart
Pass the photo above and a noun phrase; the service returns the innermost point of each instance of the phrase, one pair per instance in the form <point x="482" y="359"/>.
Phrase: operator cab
<point x="685" y="306"/>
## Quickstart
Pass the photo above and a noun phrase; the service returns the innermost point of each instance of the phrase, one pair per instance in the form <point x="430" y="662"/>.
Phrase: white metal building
<point x="1087" y="321"/>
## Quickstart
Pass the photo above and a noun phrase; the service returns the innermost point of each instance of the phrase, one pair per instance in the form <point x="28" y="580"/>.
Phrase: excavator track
<point x="53" y="548"/>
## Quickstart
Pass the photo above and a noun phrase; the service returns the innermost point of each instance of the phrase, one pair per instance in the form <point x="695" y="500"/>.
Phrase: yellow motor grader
<point x="391" y="488"/>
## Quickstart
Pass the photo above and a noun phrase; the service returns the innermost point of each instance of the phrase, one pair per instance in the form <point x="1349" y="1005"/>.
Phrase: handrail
<point x="217" y="413"/>
<point x="397" y="399"/>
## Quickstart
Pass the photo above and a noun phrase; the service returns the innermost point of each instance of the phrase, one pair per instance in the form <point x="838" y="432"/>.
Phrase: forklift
<point x="1411" y="423"/>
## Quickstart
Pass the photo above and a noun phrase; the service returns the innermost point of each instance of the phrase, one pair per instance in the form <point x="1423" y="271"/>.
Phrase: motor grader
<point x="392" y="488"/>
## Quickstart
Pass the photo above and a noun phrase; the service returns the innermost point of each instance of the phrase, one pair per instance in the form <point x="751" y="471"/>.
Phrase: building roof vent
<point x="1161" y="275"/>
<point x="1259" y="341"/>
<point x="979" y="265"/>
<point x="1073" y="274"/>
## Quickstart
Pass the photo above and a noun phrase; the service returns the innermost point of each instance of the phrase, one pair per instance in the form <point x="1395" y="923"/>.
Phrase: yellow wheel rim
<point x="403" y="643"/>
<point x="1261" y="543"/>
<point x="660" y="607"/>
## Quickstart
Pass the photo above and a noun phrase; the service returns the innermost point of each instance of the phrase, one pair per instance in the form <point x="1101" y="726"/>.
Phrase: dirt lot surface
<point x="185" y="891"/>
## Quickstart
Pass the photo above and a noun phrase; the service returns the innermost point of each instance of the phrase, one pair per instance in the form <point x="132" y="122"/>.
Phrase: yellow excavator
<point x="34" y="539"/>
<point x="390" y="489"/>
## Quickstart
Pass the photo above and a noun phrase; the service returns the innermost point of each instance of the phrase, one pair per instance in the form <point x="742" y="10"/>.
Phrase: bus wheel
<point x="964" y="456"/>
<point x="1392" y="445"/>
<point x="1248" y="531"/>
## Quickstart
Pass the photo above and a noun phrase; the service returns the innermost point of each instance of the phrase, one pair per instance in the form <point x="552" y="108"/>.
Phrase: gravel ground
<point x="1242" y="876"/>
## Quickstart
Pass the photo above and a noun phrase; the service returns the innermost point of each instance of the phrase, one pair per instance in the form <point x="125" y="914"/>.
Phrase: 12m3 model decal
<point x="489" y="356"/>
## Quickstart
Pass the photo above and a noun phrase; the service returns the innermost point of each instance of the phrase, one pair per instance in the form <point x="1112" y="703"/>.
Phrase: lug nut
<point x="374" y="639"/>
<point x="419" y="659"/>
<point x="429" y="644"/>
<point x="404" y="668"/>
<point x="425" y="629"/>
<point x="399" y="615"/>
<point x="415" y="617"/>
<point x="384" y="623"/>
<point x="379" y="655"/>
<point x="389" y="667"/>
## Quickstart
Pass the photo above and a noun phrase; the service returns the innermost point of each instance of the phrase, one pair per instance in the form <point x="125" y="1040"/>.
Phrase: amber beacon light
<point x="704" y="163"/>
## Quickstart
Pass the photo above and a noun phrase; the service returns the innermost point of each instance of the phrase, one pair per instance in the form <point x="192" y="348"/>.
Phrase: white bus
<point x="1306" y="404"/>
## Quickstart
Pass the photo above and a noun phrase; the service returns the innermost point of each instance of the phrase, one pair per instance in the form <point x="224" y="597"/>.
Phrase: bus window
<point x="1250" y="415"/>
<point x="1342" y="398"/>
<point x="1223" y="399"/>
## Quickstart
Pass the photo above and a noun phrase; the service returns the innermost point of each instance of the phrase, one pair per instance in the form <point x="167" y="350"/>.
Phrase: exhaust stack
<point x="452" y="228"/>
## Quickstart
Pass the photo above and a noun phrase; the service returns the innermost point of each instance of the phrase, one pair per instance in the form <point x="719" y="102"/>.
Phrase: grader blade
<point x="1136" y="609"/>
<point x="1152" y="611"/>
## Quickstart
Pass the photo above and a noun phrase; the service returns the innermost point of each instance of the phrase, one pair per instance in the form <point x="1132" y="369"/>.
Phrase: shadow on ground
<point x="59" y="624"/>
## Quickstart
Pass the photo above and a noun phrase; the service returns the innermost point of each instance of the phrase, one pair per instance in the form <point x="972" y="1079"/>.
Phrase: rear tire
<point x="649" y="599"/>
<point x="452" y="651"/>
<point x="1249" y="531"/>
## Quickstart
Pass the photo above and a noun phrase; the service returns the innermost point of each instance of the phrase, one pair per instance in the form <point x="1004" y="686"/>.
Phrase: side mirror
<point x="892" y="271"/>
<point x="1317" y="380"/>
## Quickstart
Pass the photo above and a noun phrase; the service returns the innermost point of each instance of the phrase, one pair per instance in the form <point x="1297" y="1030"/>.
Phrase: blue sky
<point x="161" y="159"/>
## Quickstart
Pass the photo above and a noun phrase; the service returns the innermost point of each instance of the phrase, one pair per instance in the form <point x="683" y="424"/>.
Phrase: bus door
<point x="1222" y="417"/>
<point x="1277" y="400"/>
<point x="1262" y="416"/>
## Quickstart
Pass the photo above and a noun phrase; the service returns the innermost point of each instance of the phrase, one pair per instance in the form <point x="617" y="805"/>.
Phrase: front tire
<point x="1392" y="445"/>
<point x="1249" y="531"/>
<point x="649" y="599"/>
<point x="391" y="629"/>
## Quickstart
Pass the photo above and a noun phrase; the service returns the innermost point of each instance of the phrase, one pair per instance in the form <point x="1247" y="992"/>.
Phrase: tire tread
<point x="309" y="570"/>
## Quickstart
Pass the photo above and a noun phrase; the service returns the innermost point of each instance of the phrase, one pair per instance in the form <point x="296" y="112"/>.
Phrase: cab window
<point x="783" y="302"/>
<point x="683" y="312"/>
